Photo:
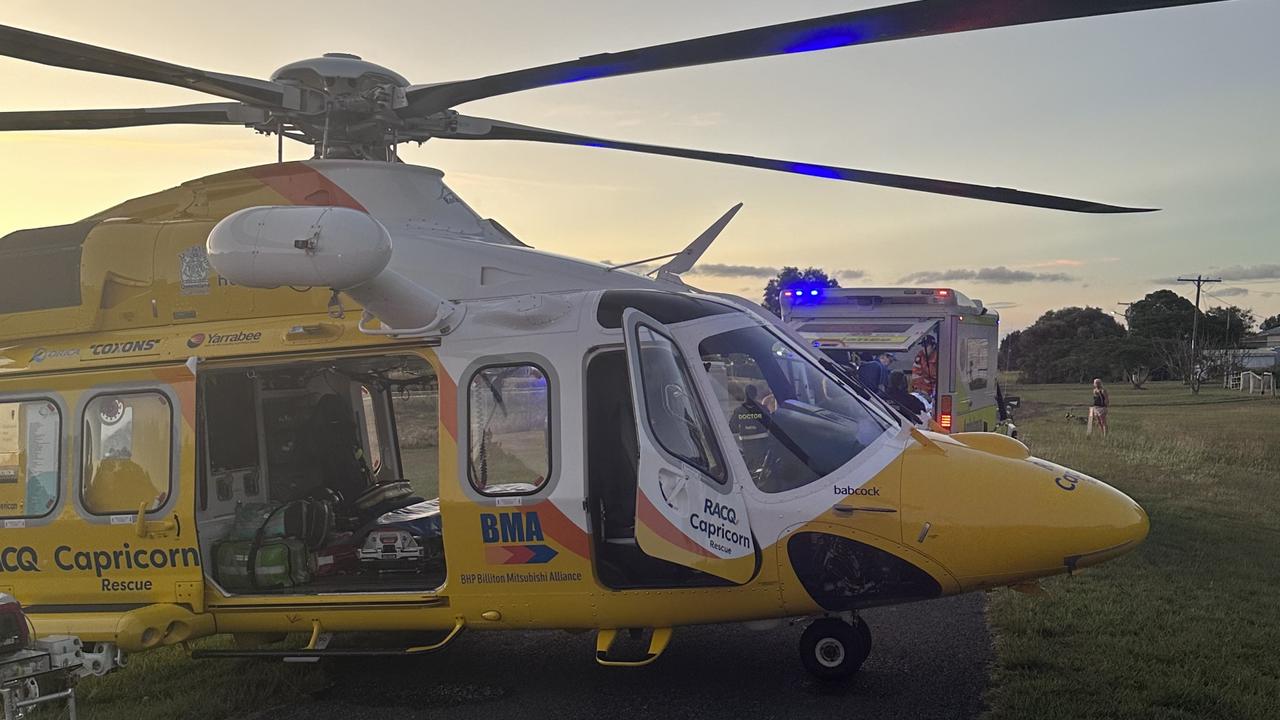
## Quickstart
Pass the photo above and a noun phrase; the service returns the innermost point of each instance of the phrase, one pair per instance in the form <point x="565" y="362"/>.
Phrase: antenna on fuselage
<point x="684" y="260"/>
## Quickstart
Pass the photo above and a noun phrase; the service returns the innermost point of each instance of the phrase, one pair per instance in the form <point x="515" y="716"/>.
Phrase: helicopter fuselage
<point x="585" y="448"/>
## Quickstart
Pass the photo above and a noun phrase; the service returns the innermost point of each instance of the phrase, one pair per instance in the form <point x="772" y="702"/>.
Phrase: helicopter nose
<point x="1113" y="525"/>
<point x="993" y="516"/>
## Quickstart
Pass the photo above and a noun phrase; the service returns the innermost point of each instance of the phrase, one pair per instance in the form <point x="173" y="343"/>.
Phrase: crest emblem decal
<point x="193" y="269"/>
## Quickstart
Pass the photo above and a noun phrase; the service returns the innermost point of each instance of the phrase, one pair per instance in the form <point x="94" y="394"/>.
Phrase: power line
<point x="1199" y="280"/>
<point x="1230" y="308"/>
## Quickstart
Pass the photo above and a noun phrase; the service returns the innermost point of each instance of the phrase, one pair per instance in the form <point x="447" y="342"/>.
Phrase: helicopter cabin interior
<point x="320" y="476"/>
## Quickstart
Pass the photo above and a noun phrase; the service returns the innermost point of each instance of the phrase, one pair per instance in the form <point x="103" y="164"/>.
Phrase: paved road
<point x="929" y="661"/>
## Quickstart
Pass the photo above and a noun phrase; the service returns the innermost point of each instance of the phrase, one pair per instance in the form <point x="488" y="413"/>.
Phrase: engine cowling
<point x="339" y="248"/>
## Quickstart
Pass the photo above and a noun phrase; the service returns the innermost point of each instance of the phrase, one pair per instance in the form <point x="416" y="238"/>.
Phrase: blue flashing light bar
<point x="804" y="293"/>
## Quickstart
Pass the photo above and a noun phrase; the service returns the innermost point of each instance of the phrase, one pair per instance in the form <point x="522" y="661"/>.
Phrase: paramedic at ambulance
<point x="874" y="372"/>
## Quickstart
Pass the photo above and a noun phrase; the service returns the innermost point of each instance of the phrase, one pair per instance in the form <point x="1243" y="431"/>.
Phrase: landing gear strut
<point x="833" y="649"/>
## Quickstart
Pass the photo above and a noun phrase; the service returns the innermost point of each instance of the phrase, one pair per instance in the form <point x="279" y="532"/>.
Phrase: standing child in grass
<point x="1098" y="410"/>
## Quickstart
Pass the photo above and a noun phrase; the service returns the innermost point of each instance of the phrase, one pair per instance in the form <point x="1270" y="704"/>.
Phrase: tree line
<point x="1076" y="344"/>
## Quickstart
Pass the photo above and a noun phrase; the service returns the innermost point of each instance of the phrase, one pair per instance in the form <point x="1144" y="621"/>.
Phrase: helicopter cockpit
<point x="806" y="424"/>
<point x="332" y="485"/>
<point x="728" y="403"/>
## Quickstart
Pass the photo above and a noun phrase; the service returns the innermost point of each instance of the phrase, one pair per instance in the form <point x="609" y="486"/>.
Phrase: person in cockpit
<point x="747" y="423"/>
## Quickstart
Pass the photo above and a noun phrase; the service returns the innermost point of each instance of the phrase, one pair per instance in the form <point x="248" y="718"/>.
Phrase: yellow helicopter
<point x="329" y="397"/>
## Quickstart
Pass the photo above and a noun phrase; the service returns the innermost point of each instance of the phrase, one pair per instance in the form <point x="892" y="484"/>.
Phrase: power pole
<point x="1128" y="308"/>
<point x="1199" y="280"/>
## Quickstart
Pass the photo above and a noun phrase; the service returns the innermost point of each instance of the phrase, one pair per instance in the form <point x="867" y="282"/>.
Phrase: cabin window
<point x="127" y="453"/>
<point x="675" y="416"/>
<point x="509" y="408"/>
<point x="30" y="452"/>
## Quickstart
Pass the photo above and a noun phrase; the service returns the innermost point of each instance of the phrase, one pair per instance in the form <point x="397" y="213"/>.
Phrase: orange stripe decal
<point x="303" y="185"/>
<point x="184" y="386"/>
<point x="662" y="527"/>
<point x="560" y="528"/>
<point x="448" y="403"/>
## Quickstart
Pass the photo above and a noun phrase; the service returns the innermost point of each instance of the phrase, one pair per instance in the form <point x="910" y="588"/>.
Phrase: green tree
<point x="1137" y="357"/>
<point x="1163" y="314"/>
<point x="1010" y="353"/>
<point x="1271" y="322"/>
<point x="791" y="277"/>
<point x="1072" y="344"/>
<point x="1226" y="326"/>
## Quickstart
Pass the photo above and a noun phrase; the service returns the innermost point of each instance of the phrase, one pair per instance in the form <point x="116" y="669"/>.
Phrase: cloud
<point x="723" y="270"/>
<point x="1261" y="271"/>
<point x="1232" y="291"/>
<point x="1001" y="305"/>
<point x="1060" y="262"/>
<point x="999" y="275"/>
<point x="1237" y="273"/>
<point x="851" y="274"/>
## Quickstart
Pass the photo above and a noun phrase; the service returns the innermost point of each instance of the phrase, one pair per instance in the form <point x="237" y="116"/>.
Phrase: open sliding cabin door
<point x="688" y="510"/>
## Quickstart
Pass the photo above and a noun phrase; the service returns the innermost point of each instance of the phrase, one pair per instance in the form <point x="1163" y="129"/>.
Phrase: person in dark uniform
<point x="898" y="395"/>
<point x="748" y="427"/>
<point x="874" y="371"/>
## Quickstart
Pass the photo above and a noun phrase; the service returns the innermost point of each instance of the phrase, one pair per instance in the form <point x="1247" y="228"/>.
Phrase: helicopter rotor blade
<point x="474" y="128"/>
<point x="880" y="24"/>
<point x="50" y="50"/>
<point x="201" y="114"/>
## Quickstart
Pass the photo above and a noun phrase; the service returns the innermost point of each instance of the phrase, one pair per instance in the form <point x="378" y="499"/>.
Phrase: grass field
<point x="1187" y="626"/>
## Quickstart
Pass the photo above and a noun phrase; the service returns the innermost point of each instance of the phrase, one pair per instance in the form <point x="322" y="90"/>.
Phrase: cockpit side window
<point x="675" y="416"/>
<point x="793" y="423"/>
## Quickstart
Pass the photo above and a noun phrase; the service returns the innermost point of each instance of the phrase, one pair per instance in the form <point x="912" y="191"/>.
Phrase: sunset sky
<point x="1177" y="109"/>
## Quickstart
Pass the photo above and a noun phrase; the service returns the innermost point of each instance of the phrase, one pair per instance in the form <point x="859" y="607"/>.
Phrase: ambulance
<point x="943" y="341"/>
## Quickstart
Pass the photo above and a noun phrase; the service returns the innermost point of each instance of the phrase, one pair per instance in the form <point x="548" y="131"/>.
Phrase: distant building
<point x="1256" y="359"/>
<point x="1268" y="339"/>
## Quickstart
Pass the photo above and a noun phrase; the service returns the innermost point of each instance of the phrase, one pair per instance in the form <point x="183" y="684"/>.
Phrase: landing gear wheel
<point x="833" y="649"/>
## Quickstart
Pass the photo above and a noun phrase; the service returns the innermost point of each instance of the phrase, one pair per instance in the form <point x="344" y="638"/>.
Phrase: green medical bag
<point x="278" y="563"/>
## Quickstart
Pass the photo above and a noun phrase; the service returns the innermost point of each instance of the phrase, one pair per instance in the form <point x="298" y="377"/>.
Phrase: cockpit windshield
<point x="793" y="423"/>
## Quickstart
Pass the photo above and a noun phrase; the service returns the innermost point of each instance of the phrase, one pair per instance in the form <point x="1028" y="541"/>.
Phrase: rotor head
<point x="336" y="71"/>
